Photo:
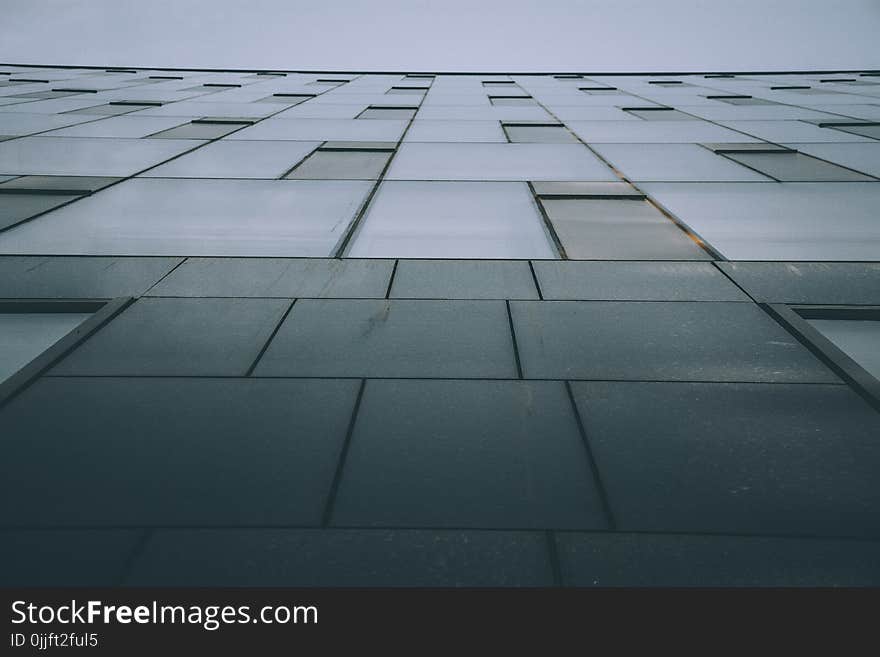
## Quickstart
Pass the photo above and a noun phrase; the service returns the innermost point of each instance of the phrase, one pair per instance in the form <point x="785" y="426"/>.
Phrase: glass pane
<point x="673" y="162"/>
<point x="197" y="131"/>
<point x="324" y="129"/>
<point x="796" y="167"/>
<point x="178" y="337"/>
<point x="109" y="110"/>
<point x="133" y="127"/>
<point x="872" y="131"/>
<point x="520" y="436"/>
<point x="808" y="454"/>
<point x="618" y="230"/>
<point x="754" y="147"/>
<point x="387" y="113"/>
<point x="359" y="146"/>
<point x="417" y="161"/>
<point x="24" y="336"/>
<point x="659" y="341"/>
<point x="59" y="184"/>
<point x="539" y="134"/>
<point x="633" y="281"/>
<point x="15" y="208"/>
<point x="341" y="165"/>
<point x="512" y="101"/>
<point x="321" y="111"/>
<point x="770" y="112"/>
<point x="644" y="132"/>
<point x="590" y="113"/>
<point x="71" y="156"/>
<point x="199" y="108"/>
<point x="659" y="114"/>
<point x="485" y="113"/>
<point x="406" y="91"/>
<point x="237" y="159"/>
<point x="455" y="131"/>
<point x="787" y="131"/>
<point x="397" y="338"/>
<point x="733" y="100"/>
<point x="45" y="94"/>
<point x="858" y="339"/>
<point x="19" y="123"/>
<point x="197" y="217"/>
<point x="463" y="279"/>
<point x="286" y="99"/>
<point x="780" y="221"/>
<point x="452" y="220"/>
<point x="80" y="277"/>
<point x="275" y="277"/>
<point x="586" y="189"/>
<point x="861" y="157"/>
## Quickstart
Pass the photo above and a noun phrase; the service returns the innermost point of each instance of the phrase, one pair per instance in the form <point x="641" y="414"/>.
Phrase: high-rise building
<point x="288" y="328"/>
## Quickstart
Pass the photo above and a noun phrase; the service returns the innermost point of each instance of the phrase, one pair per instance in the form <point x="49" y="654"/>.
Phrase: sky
<point x="446" y="35"/>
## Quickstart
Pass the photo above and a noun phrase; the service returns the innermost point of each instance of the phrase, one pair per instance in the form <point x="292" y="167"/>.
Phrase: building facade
<point x="281" y="328"/>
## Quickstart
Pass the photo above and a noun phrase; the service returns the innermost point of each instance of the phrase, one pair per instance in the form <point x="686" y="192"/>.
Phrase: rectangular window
<point x="208" y="86"/>
<point x="862" y="128"/>
<point x="45" y="95"/>
<point x="614" y="229"/>
<point x="197" y="130"/>
<point x="407" y="91"/>
<point x="338" y="161"/>
<point x="753" y="147"/>
<point x="800" y="89"/>
<point x="547" y="133"/>
<point x="791" y="166"/>
<point x="857" y="338"/>
<point x="658" y="113"/>
<point x="287" y="99"/>
<point x="512" y="101"/>
<point x="25" y="197"/>
<point x="586" y="190"/>
<point x="111" y="109"/>
<point x="742" y="100"/>
<point x="137" y="104"/>
<point x="29" y="328"/>
<point x="16" y="208"/>
<point x="480" y="220"/>
<point x="359" y="146"/>
<point x="224" y="120"/>
<point x="63" y="185"/>
<point x="388" y="112"/>
<point x="855" y="330"/>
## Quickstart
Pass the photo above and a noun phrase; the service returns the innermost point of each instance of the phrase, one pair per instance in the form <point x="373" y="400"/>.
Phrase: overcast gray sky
<point x="461" y="35"/>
